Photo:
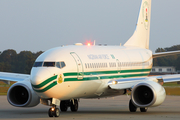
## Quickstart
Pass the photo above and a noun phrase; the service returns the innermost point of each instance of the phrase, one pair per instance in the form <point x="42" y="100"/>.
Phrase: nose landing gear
<point x="53" y="112"/>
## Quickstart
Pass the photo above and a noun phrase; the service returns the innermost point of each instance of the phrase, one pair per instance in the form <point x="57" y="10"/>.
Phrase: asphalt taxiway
<point x="93" y="109"/>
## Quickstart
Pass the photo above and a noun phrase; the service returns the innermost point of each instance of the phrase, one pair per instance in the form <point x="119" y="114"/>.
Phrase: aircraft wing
<point x="129" y="83"/>
<point x="171" y="78"/>
<point x="7" y="77"/>
<point x="155" y="55"/>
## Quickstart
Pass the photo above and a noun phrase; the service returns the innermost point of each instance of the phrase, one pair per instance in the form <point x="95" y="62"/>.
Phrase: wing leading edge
<point x="7" y="77"/>
<point x="129" y="83"/>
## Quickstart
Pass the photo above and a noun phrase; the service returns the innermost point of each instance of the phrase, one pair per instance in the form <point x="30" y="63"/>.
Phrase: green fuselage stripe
<point x="47" y="88"/>
<point x="106" y="72"/>
<point x="45" y="82"/>
<point x="105" y="77"/>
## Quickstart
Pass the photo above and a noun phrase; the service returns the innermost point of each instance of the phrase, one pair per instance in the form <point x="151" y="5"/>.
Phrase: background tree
<point x="10" y="61"/>
<point x="173" y="60"/>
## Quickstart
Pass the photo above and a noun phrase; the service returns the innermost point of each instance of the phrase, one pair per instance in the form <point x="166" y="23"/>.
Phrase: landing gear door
<point x="80" y="71"/>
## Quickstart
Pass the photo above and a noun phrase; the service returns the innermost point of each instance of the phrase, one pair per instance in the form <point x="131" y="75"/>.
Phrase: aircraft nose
<point x="38" y="76"/>
<point x="42" y="80"/>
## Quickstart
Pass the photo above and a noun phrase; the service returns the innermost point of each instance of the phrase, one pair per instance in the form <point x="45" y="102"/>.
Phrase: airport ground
<point x="95" y="109"/>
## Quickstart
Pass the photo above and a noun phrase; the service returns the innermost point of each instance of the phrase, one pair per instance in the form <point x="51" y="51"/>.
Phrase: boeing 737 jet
<point x="63" y="75"/>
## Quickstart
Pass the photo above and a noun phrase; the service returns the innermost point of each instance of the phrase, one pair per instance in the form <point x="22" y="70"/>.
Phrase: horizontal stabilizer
<point x="155" y="55"/>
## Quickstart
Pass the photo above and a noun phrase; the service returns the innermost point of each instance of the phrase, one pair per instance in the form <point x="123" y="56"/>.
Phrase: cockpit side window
<point x="38" y="64"/>
<point x="49" y="64"/>
<point x="60" y="65"/>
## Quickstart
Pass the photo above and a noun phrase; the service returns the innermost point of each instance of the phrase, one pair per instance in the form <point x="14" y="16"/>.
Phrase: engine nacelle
<point x="21" y="94"/>
<point x="148" y="94"/>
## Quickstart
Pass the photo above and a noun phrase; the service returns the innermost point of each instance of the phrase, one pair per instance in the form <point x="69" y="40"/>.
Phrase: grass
<point x="172" y="91"/>
<point x="171" y="85"/>
<point x="4" y="87"/>
<point x="171" y="88"/>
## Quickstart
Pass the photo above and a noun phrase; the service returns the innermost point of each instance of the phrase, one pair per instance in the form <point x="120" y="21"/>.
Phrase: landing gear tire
<point x="132" y="107"/>
<point x="143" y="109"/>
<point x="63" y="106"/>
<point x="56" y="112"/>
<point x="50" y="112"/>
<point x="74" y="106"/>
<point x="53" y="112"/>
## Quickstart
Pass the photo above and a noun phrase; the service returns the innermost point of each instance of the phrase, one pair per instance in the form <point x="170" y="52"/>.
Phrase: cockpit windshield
<point x="38" y="64"/>
<point x="50" y="64"/>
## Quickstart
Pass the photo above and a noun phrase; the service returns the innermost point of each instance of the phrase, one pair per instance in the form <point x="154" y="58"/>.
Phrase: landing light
<point x="114" y="82"/>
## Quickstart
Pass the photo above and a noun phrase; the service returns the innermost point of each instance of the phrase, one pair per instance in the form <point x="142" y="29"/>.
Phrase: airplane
<point x="63" y="75"/>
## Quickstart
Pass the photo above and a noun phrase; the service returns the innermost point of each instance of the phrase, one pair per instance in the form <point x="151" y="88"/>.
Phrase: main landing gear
<point x="53" y="111"/>
<point x="73" y="104"/>
<point x="133" y="108"/>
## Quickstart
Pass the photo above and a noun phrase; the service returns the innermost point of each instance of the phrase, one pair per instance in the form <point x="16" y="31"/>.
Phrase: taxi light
<point x="52" y="109"/>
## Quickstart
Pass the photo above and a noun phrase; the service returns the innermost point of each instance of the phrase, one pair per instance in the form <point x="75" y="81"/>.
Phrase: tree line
<point x="173" y="60"/>
<point x="11" y="61"/>
<point x="22" y="62"/>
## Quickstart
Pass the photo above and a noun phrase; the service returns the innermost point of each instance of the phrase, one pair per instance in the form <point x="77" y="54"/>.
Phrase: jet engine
<point x="21" y="94"/>
<point x="148" y="94"/>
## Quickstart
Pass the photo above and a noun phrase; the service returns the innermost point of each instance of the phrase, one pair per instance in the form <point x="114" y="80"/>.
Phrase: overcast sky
<point x="38" y="25"/>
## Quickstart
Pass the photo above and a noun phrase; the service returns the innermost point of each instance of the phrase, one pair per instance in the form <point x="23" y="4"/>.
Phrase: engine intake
<point x="147" y="94"/>
<point x="21" y="95"/>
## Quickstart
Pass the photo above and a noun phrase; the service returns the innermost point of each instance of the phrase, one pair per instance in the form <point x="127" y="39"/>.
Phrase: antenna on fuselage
<point x="94" y="42"/>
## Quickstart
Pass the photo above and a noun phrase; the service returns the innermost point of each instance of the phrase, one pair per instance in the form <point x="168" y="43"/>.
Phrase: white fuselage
<point x="87" y="70"/>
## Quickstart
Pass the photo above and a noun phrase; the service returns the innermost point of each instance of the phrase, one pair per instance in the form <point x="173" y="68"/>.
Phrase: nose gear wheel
<point x="53" y="112"/>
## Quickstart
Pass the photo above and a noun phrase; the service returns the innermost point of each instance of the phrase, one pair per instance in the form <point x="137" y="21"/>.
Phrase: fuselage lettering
<point x="100" y="56"/>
